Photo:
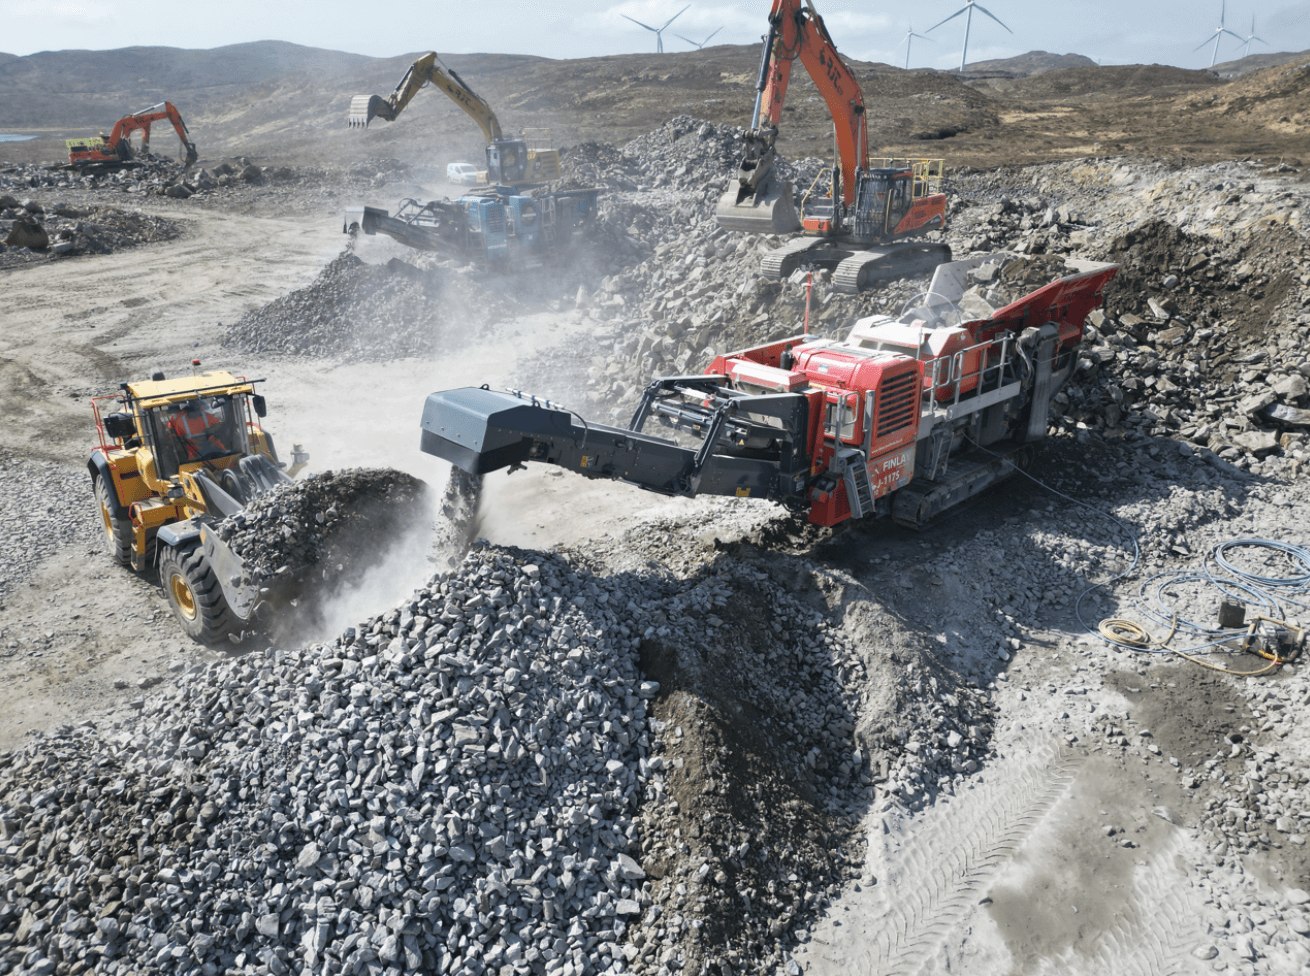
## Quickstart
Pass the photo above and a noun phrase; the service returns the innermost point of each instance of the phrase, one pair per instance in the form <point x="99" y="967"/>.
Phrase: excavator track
<point x="783" y="261"/>
<point x="859" y="271"/>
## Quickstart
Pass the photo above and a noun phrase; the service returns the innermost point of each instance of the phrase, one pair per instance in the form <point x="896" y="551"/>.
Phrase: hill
<point x="93" y="88"/>
<point x="1026" y="65"/>
<point x="1256" y="62"/>
<point x="284" y="102"/>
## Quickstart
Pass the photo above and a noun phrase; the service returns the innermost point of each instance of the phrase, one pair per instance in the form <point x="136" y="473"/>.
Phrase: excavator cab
<point x="882" y="199"/>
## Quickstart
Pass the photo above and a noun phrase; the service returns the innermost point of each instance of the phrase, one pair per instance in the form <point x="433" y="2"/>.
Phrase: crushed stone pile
<point x="450" y="788"/>
<point x="31" y="230"/>
<point x="313" y="523"/>
<point x="353" y="309"/>
<point x="528" y="764"/>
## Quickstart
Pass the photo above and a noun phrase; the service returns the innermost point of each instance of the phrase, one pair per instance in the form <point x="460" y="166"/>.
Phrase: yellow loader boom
<point x="426" y="70"/>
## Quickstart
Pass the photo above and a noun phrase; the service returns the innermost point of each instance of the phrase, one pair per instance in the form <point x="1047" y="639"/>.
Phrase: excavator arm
<point x="759" y="202"/>
<point x="426" y="70"/>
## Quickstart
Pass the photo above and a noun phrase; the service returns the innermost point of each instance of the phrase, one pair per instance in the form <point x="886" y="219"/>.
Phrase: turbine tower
<point x="1219" y="33"/>
<point x="967" y="10"/>
<point x="1247" y="50"/>
<point x="693" y="43"/>
<point x="909" y="39"/>
<point x="659" y="31"/>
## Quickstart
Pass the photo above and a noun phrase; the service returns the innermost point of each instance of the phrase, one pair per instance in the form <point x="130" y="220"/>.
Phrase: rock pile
<point x="34" y="231"/>
<point x="450" y="788"/>
<point x="475" y="775"/>
<point x="32" y="522"/>
<point x="320" y="524"/>
<point x="1237" y="386"/>
<point x="364" y="311"/>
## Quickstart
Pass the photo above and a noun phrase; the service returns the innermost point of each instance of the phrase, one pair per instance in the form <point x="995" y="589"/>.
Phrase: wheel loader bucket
<point x="365" y="108"/>
<point x="771" y="211"/>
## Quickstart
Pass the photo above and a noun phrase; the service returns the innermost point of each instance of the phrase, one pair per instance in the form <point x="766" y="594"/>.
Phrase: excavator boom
<point x="426" y="70"/>
<point x="760" y="203"/>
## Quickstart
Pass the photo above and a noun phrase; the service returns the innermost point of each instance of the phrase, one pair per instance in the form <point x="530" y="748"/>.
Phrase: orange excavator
<point x="116" y="148"/>
<point x="859" y="229"/>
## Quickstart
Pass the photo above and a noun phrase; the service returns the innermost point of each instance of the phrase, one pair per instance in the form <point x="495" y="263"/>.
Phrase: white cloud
<point x="62" y="13"/>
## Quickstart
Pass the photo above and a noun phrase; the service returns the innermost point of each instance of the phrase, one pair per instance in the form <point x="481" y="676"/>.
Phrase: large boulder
<point x="1261" y="443"/>
<point x="178" y="191"/>
<point x="28" y="232"/>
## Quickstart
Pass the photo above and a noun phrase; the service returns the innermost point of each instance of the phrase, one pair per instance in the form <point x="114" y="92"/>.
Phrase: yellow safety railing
<point x="927" y="172"/>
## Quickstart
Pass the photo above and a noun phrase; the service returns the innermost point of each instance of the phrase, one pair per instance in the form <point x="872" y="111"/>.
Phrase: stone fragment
<point x="28" y="232"/>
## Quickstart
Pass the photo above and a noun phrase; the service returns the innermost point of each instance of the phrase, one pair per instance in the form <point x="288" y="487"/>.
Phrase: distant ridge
<point x="1027" y="65"/>
<point x="165" y="68"/>
<point x="80" y="89"/>
<point x="1255" y="62"/>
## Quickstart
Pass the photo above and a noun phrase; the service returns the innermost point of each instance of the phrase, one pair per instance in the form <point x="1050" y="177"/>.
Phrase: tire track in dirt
<point x="932" y="868"/>
<point x="1157" y="936"/>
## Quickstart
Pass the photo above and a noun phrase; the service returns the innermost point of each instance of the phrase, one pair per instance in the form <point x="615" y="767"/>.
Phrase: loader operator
<point x="196" y="425"/>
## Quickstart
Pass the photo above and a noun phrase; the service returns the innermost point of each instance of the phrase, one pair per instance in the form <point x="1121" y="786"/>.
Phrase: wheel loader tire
<point x="117" y="531"/>
<point x="195" y="595"/>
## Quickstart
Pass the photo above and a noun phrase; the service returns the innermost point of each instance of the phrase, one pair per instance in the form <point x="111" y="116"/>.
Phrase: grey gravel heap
<point x="353" y="309"/>
<point x="30" y="523"/>
<point x="306" y="526"/>
<point x="31" y="230"/>
<point x="449" y="788"/>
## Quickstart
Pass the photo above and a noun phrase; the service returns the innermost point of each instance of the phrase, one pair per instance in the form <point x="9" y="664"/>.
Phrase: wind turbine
<point x="967" y="10"/>
<point x="1219" y="33"/>
<point x="1247" y="50"/>
<point x="909" y="39"/>
<point x="659" y="31"/>
<point x="693" y="43"/>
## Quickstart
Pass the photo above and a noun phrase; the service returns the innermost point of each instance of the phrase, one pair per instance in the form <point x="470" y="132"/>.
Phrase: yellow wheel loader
<point x="176" y="457"/>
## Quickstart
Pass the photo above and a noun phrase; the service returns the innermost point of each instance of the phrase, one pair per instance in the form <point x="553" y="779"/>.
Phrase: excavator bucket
<point x="365" y="108"/>
<point x="770" y="211"/>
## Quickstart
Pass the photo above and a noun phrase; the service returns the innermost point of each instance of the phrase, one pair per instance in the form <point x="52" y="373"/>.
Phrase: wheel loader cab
<point x="198" y="429"/>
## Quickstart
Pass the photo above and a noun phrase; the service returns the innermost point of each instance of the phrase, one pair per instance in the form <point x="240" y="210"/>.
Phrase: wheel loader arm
<point x="426" y="70"/>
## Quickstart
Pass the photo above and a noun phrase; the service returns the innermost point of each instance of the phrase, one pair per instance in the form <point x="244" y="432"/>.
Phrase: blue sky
<point x="1112" y="31"/>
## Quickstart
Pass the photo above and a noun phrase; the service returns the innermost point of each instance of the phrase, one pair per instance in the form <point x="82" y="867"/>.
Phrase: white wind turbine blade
<point x="676" y="16"/>
<point x="650" y="28"/>
<point x="991" y="15"/>
<point x="948" y="19"/>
